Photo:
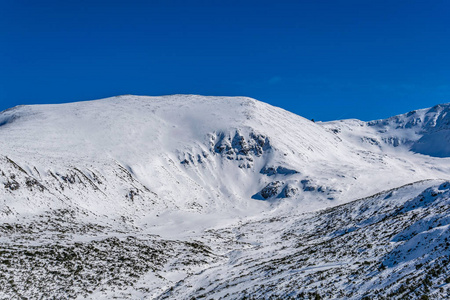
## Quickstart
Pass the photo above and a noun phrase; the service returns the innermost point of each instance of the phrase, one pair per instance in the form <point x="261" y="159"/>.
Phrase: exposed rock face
<point x="290" y="191"/>
<point x="272" y="189"/>
<point x="237" y="147"/>
<point x="233" y="146"/>
<point x="269" y="171"/>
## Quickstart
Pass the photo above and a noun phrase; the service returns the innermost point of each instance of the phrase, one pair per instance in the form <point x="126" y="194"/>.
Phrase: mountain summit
<point x="172" y="176"/>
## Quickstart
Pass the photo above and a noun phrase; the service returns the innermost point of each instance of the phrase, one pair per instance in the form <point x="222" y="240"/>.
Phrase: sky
<point x="320" y="59"/>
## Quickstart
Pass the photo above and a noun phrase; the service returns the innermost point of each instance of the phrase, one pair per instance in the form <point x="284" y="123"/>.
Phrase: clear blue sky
<point x="320" y="59"/>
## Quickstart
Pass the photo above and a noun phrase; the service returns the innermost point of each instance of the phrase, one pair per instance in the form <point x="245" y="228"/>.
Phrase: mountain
<point x="424" y="131"/>
<point x="186" y="196"/>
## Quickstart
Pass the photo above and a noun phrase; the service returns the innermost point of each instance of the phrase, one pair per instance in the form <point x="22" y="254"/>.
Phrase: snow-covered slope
<point x="144" y="177"/>
<point x="393" y="245"/>
<point x="192" y="153"/>
<point x="188" y="150"/>
<point x="424" y="131"/>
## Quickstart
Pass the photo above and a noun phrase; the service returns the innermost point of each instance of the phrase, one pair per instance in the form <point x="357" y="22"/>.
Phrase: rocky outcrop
<point x="236" y="146"/>
<point x="269" y="171"/>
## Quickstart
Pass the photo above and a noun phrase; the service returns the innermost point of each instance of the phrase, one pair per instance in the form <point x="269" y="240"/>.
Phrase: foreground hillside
<point x="189" y="196"/>
<point x="395" y="244"/>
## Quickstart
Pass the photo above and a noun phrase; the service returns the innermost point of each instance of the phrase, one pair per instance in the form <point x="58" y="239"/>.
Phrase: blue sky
<point x="320" y="59"/>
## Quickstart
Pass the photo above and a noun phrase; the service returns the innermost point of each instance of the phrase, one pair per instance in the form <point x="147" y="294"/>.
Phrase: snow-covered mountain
<point x="185" y="196"/>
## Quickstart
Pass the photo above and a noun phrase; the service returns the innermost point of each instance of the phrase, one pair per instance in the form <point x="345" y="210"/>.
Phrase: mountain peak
<point x="425" y="131"/>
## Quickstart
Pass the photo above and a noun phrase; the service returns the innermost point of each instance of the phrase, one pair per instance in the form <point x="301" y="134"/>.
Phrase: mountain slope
<point x="156" y="197"/>
<point x="395" y="244"/>
<point x="424" y="131"/>
<point x="188" y="153"/>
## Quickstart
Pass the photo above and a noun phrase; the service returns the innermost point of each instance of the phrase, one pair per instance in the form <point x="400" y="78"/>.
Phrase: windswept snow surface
<point x="148" y="197"/>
